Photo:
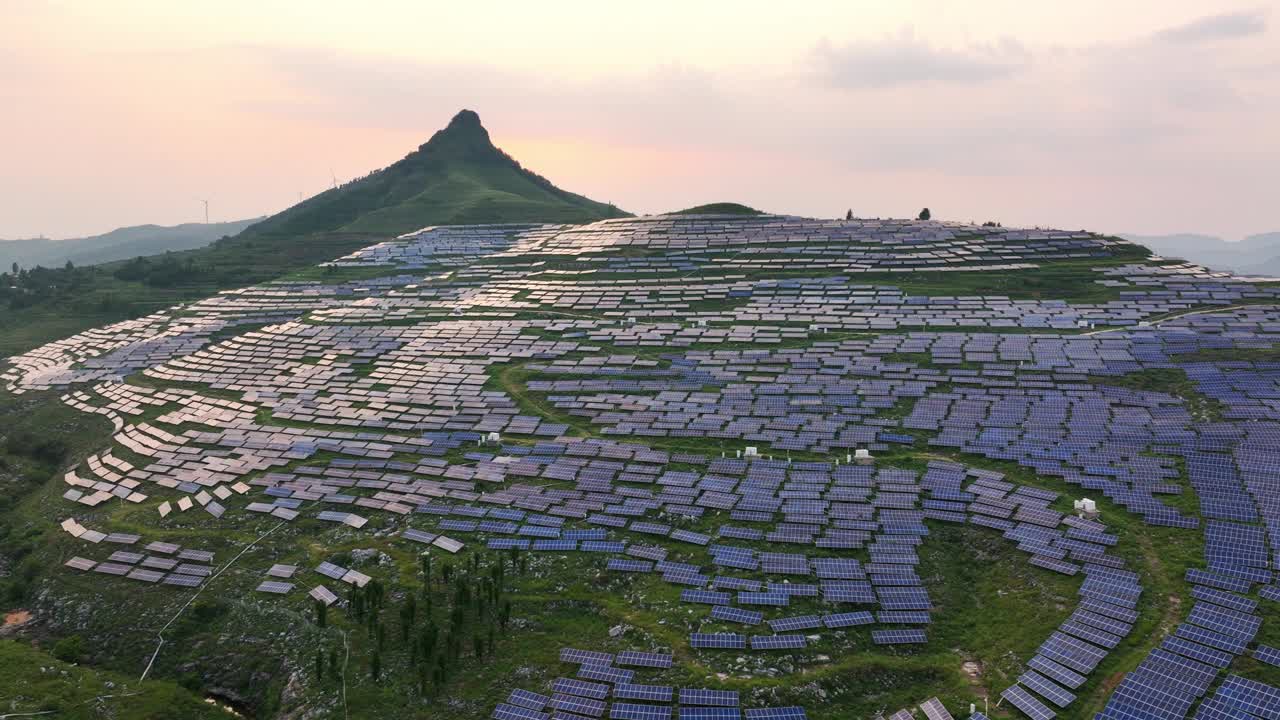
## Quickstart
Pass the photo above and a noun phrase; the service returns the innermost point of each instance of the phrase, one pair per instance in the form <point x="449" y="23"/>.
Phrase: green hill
<point x="456" y="177"/>
<point x="720" y="208"/>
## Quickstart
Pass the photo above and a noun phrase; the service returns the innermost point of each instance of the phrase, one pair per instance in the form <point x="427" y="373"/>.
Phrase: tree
<point x="319" y="665"/>
<point x="408" y="612"/>
<point x="925" y="214"/>
<point x="322" y="614"/>
<point x="375" y="666"/>
<point x="848" y="214"/>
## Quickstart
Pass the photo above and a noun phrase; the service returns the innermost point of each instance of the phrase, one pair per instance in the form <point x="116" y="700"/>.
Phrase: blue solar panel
<point x="1046" y="688"/>
<point x="605" y="673"/>
<point x="636" y="711"/>
<point x="531" y="700"/>
<point x="839" y="620"/>
<point x="643" y="659"/>
<point x="515" y="712"/>
<point x="777" y="642"/>
<point x="650" y="693"/>
<point x="1056" y="672"/>
<point x="1023" y="700"/>
<point x="710" y="713"/>
<point x="1267" y="654"/>
<point x="801" y="622"/>
<point x="792" y="712"/>
<point x="700" y="696"/>
<point x="898" y="637"/>
<point x="569" y="686"/>
<point x="738" y="615"/>
<point x="578" y="705"/>
<point x="718" y="641"/>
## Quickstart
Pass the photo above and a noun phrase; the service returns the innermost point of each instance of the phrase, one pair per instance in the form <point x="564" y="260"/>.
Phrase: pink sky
<point x="1142" y="116"/>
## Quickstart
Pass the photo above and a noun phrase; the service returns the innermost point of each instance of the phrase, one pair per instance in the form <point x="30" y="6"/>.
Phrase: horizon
<point x="1159" y="122"/>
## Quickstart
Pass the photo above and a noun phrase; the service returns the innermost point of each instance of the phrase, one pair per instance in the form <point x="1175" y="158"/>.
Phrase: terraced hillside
<point x="684" y="466"/>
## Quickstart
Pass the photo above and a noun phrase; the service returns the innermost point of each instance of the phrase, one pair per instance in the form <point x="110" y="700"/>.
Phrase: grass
<point x="36" y="683"/>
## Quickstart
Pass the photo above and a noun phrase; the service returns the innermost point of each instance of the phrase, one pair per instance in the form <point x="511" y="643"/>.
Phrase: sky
<point x="1143" y="116"/>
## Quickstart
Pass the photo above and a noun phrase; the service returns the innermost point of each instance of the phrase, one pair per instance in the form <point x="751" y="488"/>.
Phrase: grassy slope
<point x="33" y="682"/>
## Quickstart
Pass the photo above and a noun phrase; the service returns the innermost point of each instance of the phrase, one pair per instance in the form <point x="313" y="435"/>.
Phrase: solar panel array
<point x="348" y="400"/>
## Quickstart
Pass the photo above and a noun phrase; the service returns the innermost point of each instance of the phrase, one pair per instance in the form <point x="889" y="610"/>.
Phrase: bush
<point x="69" y="649"/>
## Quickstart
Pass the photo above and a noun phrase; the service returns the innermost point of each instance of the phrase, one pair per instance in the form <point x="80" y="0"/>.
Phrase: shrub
<point x="69" y="649"/>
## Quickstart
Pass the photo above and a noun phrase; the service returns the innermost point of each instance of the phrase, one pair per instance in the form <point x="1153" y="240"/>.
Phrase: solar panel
<point x="276" y="588"/>
<point x="515" y="712"/>
<point x="531" y="700"/>
<point x="707" y="597"/>
<point x="636" y="711"/>
<point x="1023" y="700"/>
<point x="800" y="622"/>
<point x="738" y="615"/>
<point x="698" y="696"/>
<point x="729" y="641"/>
<point x="933" y="709"/>
<point x="709" y="713"/>
<point x="792" y="712"/>
<point x="1267" y="654"/>
<point x="644" y="659"/>
<point x="593" y="657"/>
<point x="1046" y="688"/>
<point x="650" y="693"/>
<point x="839" y="620"/>
<point x="605" y="673"/>
<point x="578" y="705"/>
<point x="1055" y="671"/>
<point x="582" y="688"/>
<point x="898" y="637"/>
<point x="777" y="642"/>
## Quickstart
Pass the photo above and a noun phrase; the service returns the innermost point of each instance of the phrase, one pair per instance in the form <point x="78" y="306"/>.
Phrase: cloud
<point x="905" y="61"/>
<point x="1215" y="27"/>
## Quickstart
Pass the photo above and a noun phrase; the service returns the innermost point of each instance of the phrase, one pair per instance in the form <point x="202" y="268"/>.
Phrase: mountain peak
<point x="464" y="132"/>
<point x="465" y="119"/>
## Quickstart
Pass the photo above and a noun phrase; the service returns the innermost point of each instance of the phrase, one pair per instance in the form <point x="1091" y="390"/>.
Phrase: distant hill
<point x="1254" y="255"/>
<point x="456" y="177"/>
<point x="119" y="244"/>
<point x="720" y="208"/>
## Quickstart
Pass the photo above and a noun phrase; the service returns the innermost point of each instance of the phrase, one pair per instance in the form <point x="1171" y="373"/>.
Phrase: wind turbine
<point x="206" y="210"/>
